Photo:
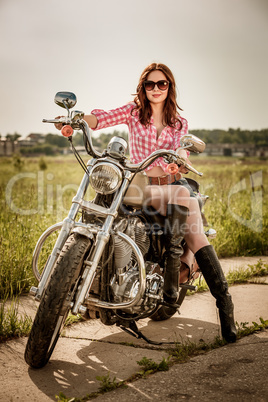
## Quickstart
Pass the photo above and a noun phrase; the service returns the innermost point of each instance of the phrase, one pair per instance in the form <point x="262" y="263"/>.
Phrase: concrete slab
<point x="72" y="370"/>
<point x="236" y="372"/>
<point x="90" y="349"/>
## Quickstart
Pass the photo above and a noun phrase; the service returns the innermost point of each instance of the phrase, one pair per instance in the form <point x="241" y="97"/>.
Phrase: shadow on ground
<point x="74" y="373"/>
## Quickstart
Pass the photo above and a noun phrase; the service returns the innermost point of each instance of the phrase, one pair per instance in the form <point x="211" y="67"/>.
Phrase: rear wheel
<point x="164" y="312"/>
<point x="55" y="302"/>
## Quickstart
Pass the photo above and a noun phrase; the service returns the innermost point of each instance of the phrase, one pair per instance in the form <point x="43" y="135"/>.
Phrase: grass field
<point x="36" y="193"/>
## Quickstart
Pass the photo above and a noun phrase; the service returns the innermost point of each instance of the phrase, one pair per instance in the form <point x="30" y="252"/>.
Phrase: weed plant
<point x="106" y="383"/>
<point x="12" y="324"/>
<point x="251" y="273"/>
<point x="242" y="275"/>
<point x="149" y="366"/>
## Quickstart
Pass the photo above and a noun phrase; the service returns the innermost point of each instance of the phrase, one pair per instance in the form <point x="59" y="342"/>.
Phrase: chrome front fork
<point x="66" y="227"/>
<point x="102" y="238"/>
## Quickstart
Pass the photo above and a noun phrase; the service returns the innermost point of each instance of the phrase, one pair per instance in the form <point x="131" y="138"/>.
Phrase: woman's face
<point x="156" y="96"/>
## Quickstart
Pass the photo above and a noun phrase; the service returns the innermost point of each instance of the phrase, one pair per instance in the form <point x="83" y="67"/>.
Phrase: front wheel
<point x="55" y="302"/>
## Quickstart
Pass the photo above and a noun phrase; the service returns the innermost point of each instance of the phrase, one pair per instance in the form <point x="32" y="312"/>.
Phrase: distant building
<point x="9" y="147"/>
<point x="235" y="150"/>
<point x="31" y="140"/>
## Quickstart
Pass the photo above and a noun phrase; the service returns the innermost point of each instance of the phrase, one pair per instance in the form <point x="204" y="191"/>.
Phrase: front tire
<point x="55" y="302"/>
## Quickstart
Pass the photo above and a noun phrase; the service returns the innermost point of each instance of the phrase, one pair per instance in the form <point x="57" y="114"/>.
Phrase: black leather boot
<point x="174" y="233"/>
<point x="212" y="271"/>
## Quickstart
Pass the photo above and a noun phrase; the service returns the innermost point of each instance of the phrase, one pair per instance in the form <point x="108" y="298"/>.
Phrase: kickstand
<point x="134" y="331"/>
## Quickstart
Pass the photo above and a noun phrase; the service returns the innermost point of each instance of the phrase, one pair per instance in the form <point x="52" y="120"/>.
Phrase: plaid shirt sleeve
<point x="180" y="133"/>
<point x="113" y="117"/>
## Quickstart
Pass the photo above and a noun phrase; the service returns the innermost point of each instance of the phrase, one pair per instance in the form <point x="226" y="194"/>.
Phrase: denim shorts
<point x="183" y="182"/>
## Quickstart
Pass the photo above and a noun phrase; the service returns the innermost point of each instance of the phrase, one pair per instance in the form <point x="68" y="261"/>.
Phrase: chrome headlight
<point x="105" y="178"/>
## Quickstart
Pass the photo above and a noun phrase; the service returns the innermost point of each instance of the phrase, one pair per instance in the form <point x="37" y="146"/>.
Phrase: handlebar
<point x="189" y="167"/>
<point x="170" y="155"/>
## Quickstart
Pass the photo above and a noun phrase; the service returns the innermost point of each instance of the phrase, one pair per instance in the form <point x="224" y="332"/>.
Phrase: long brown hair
<point x="170" y="112"/>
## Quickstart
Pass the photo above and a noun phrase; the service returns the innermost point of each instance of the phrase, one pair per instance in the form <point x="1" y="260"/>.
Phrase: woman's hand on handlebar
<point x="183" y="154"/>
<point x="183" y="169"/>
<point x="90" y="119"/>
<point x="58" y="125"/>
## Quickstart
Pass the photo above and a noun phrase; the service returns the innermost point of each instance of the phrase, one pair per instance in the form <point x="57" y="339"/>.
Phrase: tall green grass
<point x="59" y="176"/>
<point x="46" y="196"/>
<point x="238" y="212"/>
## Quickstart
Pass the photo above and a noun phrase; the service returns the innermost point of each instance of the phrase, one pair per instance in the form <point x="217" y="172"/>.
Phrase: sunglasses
<point x="162" y="85"/>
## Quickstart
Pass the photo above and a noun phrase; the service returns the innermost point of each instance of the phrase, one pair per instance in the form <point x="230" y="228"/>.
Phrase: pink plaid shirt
<point x="142" y="140"/>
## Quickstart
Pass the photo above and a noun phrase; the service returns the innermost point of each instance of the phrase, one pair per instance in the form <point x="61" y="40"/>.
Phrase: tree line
<point x="233" y="136"/>
<point x="55" y="143"/>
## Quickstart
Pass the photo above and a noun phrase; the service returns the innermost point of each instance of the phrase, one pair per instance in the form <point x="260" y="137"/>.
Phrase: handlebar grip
<point x="182" y="161"/>
<point x="189" y="167"/>
<point x="51" y="121"/>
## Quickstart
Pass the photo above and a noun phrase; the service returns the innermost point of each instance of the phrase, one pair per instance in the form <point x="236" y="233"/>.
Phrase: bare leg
<point x="194" y="236"/>
<point x="160" y="196"/>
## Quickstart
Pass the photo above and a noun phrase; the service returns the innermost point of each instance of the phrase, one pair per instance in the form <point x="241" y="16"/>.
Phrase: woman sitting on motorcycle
<point x="154" y="123"/>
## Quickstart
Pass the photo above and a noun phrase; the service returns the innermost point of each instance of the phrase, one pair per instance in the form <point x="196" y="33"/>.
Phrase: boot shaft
<point x="212" y="271"/>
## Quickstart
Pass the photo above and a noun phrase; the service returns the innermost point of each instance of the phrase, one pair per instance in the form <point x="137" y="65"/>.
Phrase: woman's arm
<point x="101" y="119"/>
<point x="184" y="154"/>
<point x="91" y="120"/>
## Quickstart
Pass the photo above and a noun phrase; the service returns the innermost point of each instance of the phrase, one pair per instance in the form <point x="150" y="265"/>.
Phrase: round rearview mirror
<point x="192" y="143"/>
<point x="66" y="100"/>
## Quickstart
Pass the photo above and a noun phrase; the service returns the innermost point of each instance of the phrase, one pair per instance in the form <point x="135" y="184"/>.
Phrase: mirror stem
<point x="66" y="107"/>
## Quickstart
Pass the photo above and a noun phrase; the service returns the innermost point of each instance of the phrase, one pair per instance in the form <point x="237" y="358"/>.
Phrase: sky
<point x="216" y="49"/>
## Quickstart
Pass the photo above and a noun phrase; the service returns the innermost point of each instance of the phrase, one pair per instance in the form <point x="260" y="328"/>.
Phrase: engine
<point x="136" y="230"/>
<point x="125" y="282"/>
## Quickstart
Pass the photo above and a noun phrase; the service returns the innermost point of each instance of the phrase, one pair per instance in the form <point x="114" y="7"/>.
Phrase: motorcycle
<point x="107" y="262"/>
